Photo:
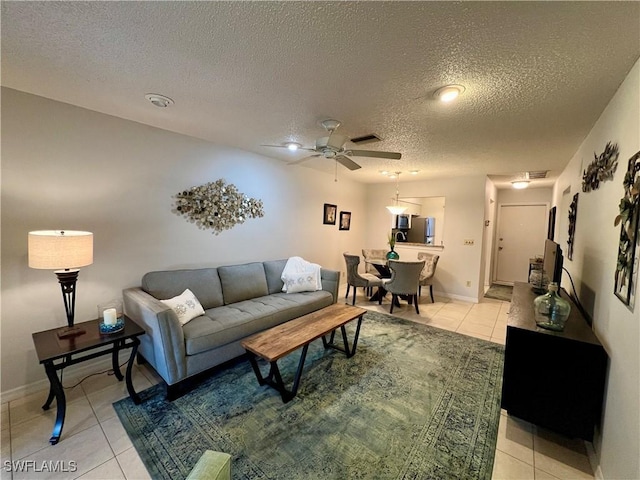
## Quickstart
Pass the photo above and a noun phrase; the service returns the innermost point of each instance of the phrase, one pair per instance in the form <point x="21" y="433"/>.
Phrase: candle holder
<point x="111" y="316"/>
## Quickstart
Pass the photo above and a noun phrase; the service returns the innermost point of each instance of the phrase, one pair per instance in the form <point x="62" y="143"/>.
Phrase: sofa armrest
<point x="330" y="282"/>
<point x="164" y="348"/>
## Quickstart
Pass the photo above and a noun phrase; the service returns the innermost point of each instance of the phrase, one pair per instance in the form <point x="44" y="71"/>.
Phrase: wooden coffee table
<point x="279" y="341"/>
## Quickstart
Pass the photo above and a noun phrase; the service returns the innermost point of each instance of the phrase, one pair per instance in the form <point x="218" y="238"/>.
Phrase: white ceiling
<point x="242" y="74"/>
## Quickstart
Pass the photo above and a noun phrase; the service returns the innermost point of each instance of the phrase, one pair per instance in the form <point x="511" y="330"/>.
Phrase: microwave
<point x="403" y="221"/>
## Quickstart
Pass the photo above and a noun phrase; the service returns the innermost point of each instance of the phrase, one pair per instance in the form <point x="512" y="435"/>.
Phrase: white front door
<point x="522" y="230"/>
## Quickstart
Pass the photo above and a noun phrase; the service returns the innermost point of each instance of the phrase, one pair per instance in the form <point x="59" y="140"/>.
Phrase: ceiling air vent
<point x="535" y="175"/>
<point x="370" y="138"/>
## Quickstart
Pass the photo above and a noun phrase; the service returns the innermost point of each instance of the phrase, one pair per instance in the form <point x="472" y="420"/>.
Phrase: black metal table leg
<point x="349" y="352"/>
<point x="256" y="369"/>
<point x="132" y="393"/>
<point x="50" y="398"/>
<point x="355" y="338"/>
<point x="61" y="402"/>
<point x="115" y="361"/>
<point x="274" y="379"/>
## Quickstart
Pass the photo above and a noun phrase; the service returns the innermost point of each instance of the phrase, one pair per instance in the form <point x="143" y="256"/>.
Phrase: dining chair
<point x="426" y="276"/>
<point x="404" y="281"/>
<point x="376" y="254"/>
<point x="355" y="279"/>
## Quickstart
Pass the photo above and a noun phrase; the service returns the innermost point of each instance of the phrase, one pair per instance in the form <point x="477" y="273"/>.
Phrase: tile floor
<point x="94" y="438"/>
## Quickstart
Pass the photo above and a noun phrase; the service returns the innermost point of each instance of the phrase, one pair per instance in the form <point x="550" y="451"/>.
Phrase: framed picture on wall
<point x="345" y="220"/>
<point x="329" y="217"/>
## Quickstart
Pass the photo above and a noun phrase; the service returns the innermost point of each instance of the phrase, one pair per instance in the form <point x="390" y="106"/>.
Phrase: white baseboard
<point x="452" y="296"/>
<point x="456" y="297"/>
<point x="593" y="461"/>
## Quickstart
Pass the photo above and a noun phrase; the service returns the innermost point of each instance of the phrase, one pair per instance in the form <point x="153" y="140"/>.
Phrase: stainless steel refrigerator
<point x="423" y="230"/>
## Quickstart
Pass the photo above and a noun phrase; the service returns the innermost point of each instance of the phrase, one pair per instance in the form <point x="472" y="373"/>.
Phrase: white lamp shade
<point x="395" y="209"/>
<point x="60" y="249"/>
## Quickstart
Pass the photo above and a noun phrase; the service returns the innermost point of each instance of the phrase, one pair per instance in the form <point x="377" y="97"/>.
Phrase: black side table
<point x="50" y="348"/>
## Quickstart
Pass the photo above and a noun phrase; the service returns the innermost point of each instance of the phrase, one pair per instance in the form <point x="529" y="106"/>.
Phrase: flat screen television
<point x="552" y="263"/>
<point x="551" y="266"/>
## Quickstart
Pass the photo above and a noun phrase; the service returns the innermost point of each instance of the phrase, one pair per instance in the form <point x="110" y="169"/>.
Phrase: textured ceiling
<point x="537" y="74"/>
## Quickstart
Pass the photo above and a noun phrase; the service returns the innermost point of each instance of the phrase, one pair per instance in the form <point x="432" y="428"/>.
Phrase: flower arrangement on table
<point x="392" y="255"/>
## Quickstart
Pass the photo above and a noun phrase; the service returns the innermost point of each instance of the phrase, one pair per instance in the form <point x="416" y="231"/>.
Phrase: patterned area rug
<point x="415" y="402"/>
<point x="499" y="292"/>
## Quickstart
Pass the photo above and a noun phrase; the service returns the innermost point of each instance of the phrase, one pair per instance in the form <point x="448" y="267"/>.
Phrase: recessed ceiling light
<point x="384" y="172"/>
<point x="448" y="93"/>
<point x="293" y="146"/>
<point x="414" y="172"/>
<point x="159" y="100"/>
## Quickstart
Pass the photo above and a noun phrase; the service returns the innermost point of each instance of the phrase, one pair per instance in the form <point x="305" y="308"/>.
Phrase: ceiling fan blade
<point x="371" y="153"/>
<point x="297" y="162"/>
<point x="347" y="162"/>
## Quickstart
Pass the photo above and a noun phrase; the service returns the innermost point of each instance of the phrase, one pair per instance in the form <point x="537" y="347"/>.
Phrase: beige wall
<point x="527" y="195"/>
<point x="592" y="269"/>
<point x="71" y="168"/>
<point x="464" y="219"/>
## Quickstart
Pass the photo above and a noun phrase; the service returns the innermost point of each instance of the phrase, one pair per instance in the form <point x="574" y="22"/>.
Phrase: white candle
<point x="110" y="316"/>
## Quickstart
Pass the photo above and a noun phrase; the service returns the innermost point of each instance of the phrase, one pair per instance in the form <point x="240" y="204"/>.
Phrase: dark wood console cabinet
<point x="552" y="379"/>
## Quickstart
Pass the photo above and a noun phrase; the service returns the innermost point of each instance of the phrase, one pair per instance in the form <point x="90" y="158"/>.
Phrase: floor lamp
<point x="64" y="251"/>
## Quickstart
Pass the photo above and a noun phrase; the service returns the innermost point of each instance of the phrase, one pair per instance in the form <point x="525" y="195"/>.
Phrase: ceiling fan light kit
<point x="449" y="93"/>
<point x="333" y="147"/>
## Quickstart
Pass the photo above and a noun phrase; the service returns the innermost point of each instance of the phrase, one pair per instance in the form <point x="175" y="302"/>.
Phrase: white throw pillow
<point x="301" y="282"/>
<point x="186" y="306"/>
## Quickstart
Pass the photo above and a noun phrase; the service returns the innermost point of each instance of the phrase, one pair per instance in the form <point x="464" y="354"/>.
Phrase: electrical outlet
<point x="468" y="283"/>
<point x="469" y="241"/>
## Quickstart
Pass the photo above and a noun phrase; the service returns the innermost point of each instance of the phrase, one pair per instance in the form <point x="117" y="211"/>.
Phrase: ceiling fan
<point x="333" y="147"/>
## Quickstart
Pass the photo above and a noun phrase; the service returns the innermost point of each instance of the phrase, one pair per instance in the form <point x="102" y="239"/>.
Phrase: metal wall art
<point x="573" y="214"/>
<point x="601" y="169"/>
<point x="629" y="219"/>
<point x="217" y="206"/>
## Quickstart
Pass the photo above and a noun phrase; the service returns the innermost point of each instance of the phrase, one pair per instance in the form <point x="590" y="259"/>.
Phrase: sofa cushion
<point x="302" y="282"/>
<point x="273" y="269"/>
<point x="203" y="282"/>
<point x="243" y="282"/>
<point x="186" y="306"/>
<point x="223" y="325"/>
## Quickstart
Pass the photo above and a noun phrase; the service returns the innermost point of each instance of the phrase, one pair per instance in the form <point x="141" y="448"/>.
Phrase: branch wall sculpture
<point x="601" y="169"/>
<point x="627" y="265"/>
<point x="217" y="206"/>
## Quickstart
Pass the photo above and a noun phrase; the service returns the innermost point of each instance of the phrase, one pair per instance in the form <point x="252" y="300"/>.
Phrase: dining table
<point x="382" y="266"/>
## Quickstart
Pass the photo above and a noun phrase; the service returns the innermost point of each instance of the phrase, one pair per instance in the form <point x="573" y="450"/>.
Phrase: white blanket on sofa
<point x="301" y="276"/>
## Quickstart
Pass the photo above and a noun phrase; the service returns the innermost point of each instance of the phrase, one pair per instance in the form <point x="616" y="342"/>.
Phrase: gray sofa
<point x="239" y="300"/>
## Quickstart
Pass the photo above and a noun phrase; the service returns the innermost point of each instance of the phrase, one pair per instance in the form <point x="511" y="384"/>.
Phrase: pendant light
<point x="396" y="209"/>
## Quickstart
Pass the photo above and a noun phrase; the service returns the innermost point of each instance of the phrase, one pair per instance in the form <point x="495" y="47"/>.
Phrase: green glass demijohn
<point x="551" y="311"/>
<point x="392" y="255"/>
